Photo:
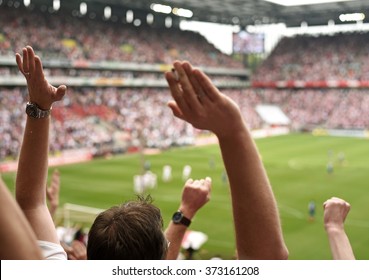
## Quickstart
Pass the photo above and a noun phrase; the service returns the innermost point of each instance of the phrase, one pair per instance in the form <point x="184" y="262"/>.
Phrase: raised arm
<point x="335" y="213"/>
<point x="17" y="240"/>
<point x="194" y="196"/>
<point x="256" y="219"/>
<point x="33" y="159"/>
<point x="52" y="192"/>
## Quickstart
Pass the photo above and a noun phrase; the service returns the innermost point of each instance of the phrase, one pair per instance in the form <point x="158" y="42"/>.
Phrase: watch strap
<point x="185" y="221"/>
<point x="34" y="111"/>
<point x="180" y="218"/>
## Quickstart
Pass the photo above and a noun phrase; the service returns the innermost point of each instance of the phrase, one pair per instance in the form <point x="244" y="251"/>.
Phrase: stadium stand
<point x="339" y="57"/>
<point x="102" y="55"/>
<point x="109" y="66"/>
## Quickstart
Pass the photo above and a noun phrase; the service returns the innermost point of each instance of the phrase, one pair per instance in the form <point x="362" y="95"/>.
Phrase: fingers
<point x="200" y="183"/>
<point x="37" y="67"/>
<point x="201" y="95"/>
<point x="189" y="93"/>
<point x="25" y="61"/>
<point x="31" y="60"/>
<point x="191" y="96"/>
<point x="208" y="181"/>
<point x="189" y="181"/>
<point x="18" y="59"/>
<point x="56" y="173"/>
<point x="177" y="93"/>
<point x="337" y="202"/>
<point x="55" y="184"/>
<point x="29" y="63"/>
<point x="207" y="86"/>
<point x="175" y="109"/>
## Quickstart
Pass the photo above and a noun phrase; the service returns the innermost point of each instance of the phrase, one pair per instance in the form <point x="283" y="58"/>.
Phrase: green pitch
<point x="297" y="168"/>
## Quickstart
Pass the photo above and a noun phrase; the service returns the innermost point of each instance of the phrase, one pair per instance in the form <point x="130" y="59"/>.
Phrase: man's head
<point x="131" y="231"/>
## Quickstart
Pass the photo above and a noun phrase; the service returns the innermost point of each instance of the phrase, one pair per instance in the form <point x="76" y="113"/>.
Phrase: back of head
<point x="131" y="231"/>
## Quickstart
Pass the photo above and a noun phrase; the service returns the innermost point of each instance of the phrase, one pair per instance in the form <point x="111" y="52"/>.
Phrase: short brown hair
<point x="131" y="231"/>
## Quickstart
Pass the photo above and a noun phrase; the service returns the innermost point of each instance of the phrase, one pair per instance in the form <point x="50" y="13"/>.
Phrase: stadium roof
<point x="236" y="12"/>
<point x="250" y="12"/>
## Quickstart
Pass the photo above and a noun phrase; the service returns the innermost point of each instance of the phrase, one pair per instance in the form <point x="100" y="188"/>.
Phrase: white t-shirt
<point x="52" y="251"/>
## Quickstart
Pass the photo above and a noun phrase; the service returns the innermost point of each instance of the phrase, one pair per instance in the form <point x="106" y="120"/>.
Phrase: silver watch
<point x="35" y="112"/>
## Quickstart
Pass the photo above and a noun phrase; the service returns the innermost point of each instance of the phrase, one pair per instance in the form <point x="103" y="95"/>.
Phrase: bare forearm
<point x="17" y="238"/>
<point x="258" y="231"/>
<point x="33" y="164"/>
<point x="31" y="179"/>
<point x="340" y="245"/>
<point x="174" y="234"/>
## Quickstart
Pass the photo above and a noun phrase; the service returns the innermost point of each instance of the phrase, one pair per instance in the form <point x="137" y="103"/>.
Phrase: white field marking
<point x="293" y="164"/>
<point x="291" y="211"/>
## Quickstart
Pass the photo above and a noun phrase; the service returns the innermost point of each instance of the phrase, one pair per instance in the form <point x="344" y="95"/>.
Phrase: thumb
<point x="60" y="92"/>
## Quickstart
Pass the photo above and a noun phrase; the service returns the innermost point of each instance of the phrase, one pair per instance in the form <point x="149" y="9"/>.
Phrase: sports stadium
<point x="299" y="73"/>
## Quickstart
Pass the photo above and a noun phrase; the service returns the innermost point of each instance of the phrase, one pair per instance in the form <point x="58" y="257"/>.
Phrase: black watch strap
<point x="179" y="218"/>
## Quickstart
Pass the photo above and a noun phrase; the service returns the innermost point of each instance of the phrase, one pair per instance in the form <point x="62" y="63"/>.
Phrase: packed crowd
<point x="318" y="58"/>
<point x="326" y="108"/>
<point x="91" y="117"/>
<point x="97" y="40"/>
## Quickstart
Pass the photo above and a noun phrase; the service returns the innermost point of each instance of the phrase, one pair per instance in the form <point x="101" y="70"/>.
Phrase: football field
<point x="296" y="165"/>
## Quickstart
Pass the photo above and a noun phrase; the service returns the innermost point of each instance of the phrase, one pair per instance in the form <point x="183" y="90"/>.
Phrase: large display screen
<point x="248" y="43"/>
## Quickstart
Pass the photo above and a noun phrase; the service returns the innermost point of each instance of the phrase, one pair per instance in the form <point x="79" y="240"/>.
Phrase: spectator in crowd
<point x="256" y="220"/>
<point x="17" y="240"/>
<point x="335" y="213"/>
<point x="130" y="231"/>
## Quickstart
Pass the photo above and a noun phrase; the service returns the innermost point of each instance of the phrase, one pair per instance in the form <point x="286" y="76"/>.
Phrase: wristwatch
<point x="179" y="218"/>
<point x="35" y="112"/>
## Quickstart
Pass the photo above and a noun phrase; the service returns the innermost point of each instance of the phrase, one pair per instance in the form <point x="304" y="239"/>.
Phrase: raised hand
<point x="199" y="102"/>
<point x="195" y="195"/>
<point x="40" y="91"/>
<point x="335" y="212"/>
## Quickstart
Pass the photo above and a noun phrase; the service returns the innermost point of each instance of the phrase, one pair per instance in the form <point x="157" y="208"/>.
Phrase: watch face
<point x="31" y="111"/>
<point x="177" y="217"/>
